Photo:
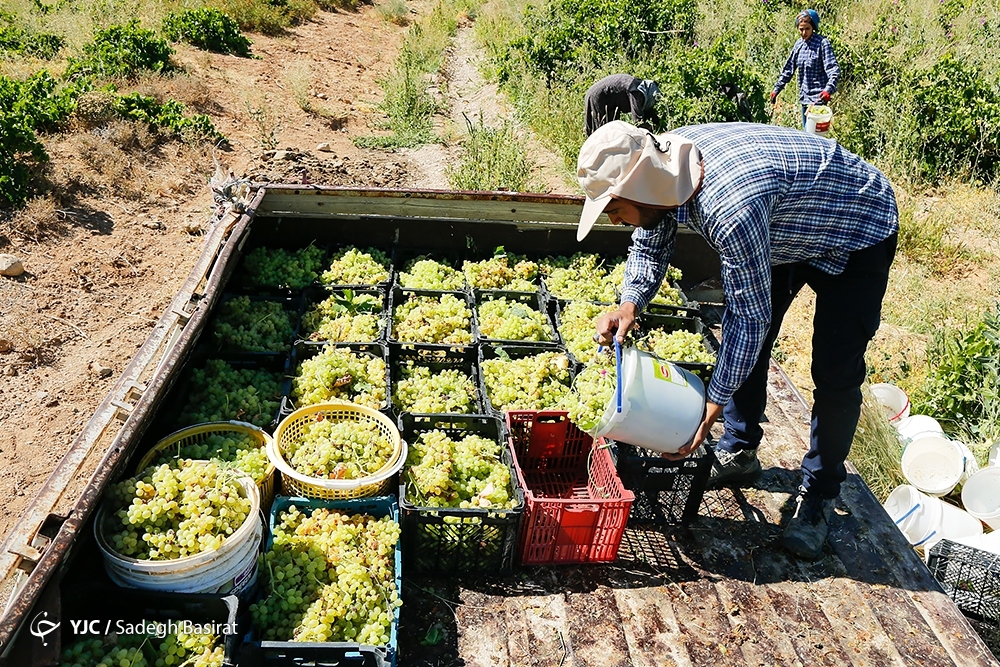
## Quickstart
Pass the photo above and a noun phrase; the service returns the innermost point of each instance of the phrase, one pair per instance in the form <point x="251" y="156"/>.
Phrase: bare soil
<point x="105" y="252"/>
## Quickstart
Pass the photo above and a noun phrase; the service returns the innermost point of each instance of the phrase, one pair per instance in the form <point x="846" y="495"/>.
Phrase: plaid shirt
<point x="818" y="68"/>
<point x="770" y="195"/>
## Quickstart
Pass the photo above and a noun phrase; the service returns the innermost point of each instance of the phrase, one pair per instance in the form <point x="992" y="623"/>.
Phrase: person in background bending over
<point x="813" y="56"/>
<point x="616" y="94"/>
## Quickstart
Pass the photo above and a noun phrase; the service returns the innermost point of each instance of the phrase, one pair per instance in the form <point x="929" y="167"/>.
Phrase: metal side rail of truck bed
<point x="718" y="592"/>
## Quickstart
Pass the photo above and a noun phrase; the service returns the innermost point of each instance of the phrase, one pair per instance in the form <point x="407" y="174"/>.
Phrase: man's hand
<point x="616" y="324"/>
<point x="824" y="97"/>
<point x="774" y="97"/>
<point x="712" y="413"/>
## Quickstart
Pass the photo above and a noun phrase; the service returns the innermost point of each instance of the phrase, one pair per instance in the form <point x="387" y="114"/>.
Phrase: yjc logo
<point x="41" y="627"/>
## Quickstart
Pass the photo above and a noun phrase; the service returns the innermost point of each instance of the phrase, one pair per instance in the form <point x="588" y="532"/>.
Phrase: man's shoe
<point x="806" y="531"/>
<point x="734" y="468"/>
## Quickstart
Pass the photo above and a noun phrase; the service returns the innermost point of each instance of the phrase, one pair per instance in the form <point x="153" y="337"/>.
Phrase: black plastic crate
<point x="399" y="296"/>
<point x="305" y="350"/>
<point x="670" y="323"/>
<point x="436" y="358"/>
<point x="557" y="306"/>
<point x="293" y="305"/>
<point x="106" y="609"/>
<point x="338" y="248"/>
<point x="532" y="300"/>
<point x="445" y="540"/>
<point x="316" y="296"/>
<point x="607" y="263"/>
<point x="480" y="256"/>
<point x="970" y="577"/>
<point x="516" y="351"/>
<point x="402" y="256"/>
<point x="240" y="283"/>
<point x="666" y="492"/>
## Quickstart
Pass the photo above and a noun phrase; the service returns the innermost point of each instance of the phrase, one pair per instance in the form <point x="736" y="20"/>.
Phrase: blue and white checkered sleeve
<point x="648" y="258"/>
<point x="831" y="67"/>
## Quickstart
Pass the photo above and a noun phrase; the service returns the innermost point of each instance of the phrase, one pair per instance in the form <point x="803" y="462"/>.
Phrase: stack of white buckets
<point x="935" y="465"/>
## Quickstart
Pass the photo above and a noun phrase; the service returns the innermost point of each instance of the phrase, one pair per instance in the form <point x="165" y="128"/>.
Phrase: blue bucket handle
<point x="618" y="373"/>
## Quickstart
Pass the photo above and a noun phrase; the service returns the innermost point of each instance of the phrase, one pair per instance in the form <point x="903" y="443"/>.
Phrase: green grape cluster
<point x="512" y="320"/>
<point x="422" y="390"/>
<point x="253" y="326"/>
<point x="426" y="273"/>
<point x="505" y="271"/>
<point x="677" y="346"/>
<point x="233" y="449"/>
<point x="666" y="294"/>
<point x="330" y="578"/>
<point x="219" y="392"/>
<point x="584" y="276"/>
<point x="354" y="266"/>
<point x="577" y="326"/>
<point x="345" y="317"/>
<point x="432" y="319"/>
<point x="536" y="382"/>
<point x="593" y="389"/>
<point x="466" y="473"/>
<point x="343" y="374"/>
<point x="277" y="267"/>
<point x="179" y="649"/>
<point x="339" y="449"/>
<point x="168" y="512"/>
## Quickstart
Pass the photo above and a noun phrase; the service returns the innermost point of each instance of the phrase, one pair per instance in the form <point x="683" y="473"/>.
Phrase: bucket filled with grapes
<point x="183" y="527"/>
<point x="336" y="451"/>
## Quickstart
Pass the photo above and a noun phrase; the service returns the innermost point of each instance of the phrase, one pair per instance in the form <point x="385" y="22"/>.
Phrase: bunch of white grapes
<point x="667" y="293"/>
<point x="676" y="346"/>
<point x="432" y="319"/>
<point x="236" y="450"/>
<point x="331" y="577"/>
<point x="180" y="649"/>
<point x="330" y="320"/>
<point x="331" y="449"/>
<point x="577" y="326"/>
<point x="465" y="473"/>
<point x="168" y="512"/>
<point x="584" y="277"/>
<point x="422" y="390"/>
<point x="253" y="326"/>
<point x="280" y="268"/>
<point x="340" y="373"/>
<point x="507" y="272"/>
<point x="593" y="389"/>
<point x="512" y="320"/>
<point x="535" y="382"/>
<point x="354" y="266"/>
<point x="425" y="273"/>
<point x="219" y="392"/>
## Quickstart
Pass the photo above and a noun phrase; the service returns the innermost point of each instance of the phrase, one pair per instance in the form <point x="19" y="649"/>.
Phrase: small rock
<point x="152" y="224"/>
<point x="191" y="227"/>
<point x="283" y="155"/>
<point x="41" y="396"/>
<point x="11" y="371"/>
<point x="5" y="345"/>
<point x="321" y="96"/>
<point x="101" y="370"/>
<point x="325" y="147"/>
<point x="10" y="266"/>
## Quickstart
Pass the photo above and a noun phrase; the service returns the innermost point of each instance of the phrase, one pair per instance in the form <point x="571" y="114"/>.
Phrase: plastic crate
<point x="328" y="653"/>
<point x="532" y="300"/>
<point x="400" y="296"/>
<point x="515" y="351"/>
<point x="666" y="492"/>
<point x="382" y="284"/>
<point x="402" y="256"/>
<point x="558" y="306"/>
<point x="290" y="304"/>
<point x="305" y="350"/>
<point x="970" y="577"/>
<point x="437" y="358"/>
<point x="314" y="297"/>
<point x="670" y="323"/>
<point x="239" y="280"/>
<point x="119" y="607"/>
<point x="576" y="507"/>
<point x="445" y="540"/>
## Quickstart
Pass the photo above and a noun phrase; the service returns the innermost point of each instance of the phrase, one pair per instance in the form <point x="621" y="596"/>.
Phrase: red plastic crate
<point x="576" y="507"/>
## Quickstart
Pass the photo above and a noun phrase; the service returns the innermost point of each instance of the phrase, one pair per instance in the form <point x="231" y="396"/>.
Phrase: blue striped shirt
<point x="770" y="195"/>
<point x="817" y="66"/>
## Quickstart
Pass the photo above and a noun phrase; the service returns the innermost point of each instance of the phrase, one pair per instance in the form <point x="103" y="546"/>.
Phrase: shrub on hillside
<point x="121" y="51"/>
<point x="208" y="29"/>
<point x="17" y="40"/>
<point x="169" y="116"/>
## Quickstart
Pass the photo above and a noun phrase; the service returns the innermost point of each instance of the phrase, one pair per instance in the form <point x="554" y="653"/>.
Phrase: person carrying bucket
<point x="783" y="209"/>
<point x="812" y="55"/>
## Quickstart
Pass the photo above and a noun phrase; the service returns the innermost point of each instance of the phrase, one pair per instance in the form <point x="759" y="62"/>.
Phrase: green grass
<point x="877" y="449"/>
<point x="493" y="158"/>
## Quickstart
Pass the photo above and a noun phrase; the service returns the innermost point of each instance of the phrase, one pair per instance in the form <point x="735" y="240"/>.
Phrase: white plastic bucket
<point x="934" y="464"/>
<point x="893" y="399"/>
<point x="981" y="496"/>
<point x="818" y="120"/>
<point x="918" y="516"/>
<point x="971" y="466"/>
<point x="910" y="428"/>
<point x="993" y="458"/>
<point x="987" y="541"/>
<point x="662" y="405"/>
<point x="957" y="523"/>
<point x="232" y="568"/>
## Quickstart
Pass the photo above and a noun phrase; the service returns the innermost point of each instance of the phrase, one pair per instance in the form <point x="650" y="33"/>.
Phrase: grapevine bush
<point x="122" y="51"/>
<point x="208" y="29"/>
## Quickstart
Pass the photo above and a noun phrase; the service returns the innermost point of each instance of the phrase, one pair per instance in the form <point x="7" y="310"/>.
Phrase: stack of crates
<point x="971" y="578"/>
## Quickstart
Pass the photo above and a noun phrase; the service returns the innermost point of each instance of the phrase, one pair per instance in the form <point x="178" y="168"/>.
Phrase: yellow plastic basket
<point x="291" y="429"/>
<point x="200" y="432"/>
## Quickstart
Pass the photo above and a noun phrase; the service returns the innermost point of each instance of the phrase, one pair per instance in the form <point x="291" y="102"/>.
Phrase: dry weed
<point x="39" y="219"/>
